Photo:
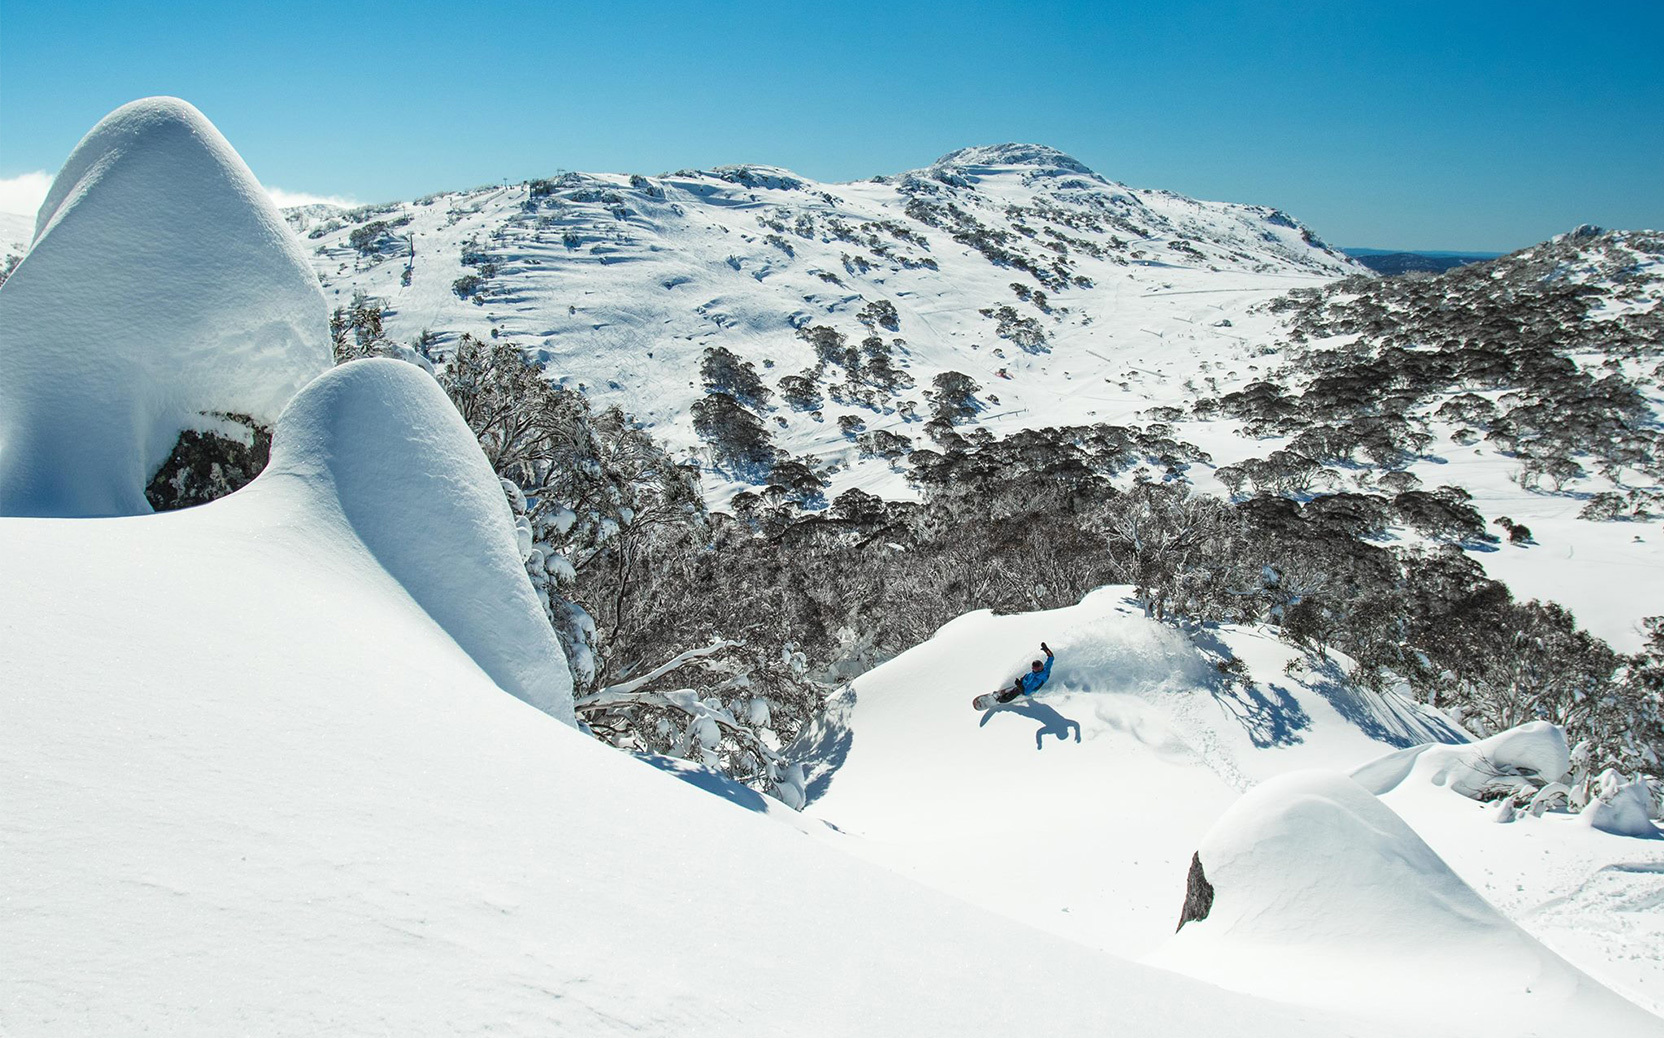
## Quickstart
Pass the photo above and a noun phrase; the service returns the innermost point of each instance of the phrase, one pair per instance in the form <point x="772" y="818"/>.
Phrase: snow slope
<point x="1078" y="811"/>
<point x="1593" y="896"/>
<point x="261" y="781"/>
<point x="1323" y="895"/>
<point x="1102" y="785"/>
<point x="162" y="285"/>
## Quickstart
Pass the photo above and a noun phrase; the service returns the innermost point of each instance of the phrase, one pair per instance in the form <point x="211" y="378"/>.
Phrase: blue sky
<point x="1400" y="124"/>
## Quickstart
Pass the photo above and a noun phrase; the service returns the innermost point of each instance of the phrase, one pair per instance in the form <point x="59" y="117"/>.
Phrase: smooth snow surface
<point x="1078" y="811"/>
<point x="162" y="286"/>
<point x="375" y="450"/>
<point x="252" y="788"/>
<point x="1323" y="895"/>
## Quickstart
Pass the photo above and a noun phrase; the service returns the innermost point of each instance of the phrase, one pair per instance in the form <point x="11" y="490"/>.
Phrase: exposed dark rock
<point x="208" y="465"/>
<point x="1198" y="894"/>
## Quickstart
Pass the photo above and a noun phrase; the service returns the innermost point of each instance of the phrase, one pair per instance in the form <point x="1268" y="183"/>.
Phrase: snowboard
<point x="988" y="700"/>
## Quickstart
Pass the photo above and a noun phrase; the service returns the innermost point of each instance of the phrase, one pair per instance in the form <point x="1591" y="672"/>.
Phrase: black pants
<point x="1008" y="695"/>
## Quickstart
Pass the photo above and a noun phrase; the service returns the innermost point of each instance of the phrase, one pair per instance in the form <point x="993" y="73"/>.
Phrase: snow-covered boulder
<point x="162" y="283"/>
<point x="1533" y="753"/>
<point x="374" y="450"/>
<point x="1323" y="895"/>
<point x="1621" y="808"/>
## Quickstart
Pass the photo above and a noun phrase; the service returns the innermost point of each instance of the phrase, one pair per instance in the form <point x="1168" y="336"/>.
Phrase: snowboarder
<point x="1029" y="683"/>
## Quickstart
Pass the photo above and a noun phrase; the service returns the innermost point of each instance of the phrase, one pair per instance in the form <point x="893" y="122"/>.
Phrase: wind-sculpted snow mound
<point x="1535" y="750"/>
<point x="375" y="449"/>
<point x="1322" y="895"/>
<point x="162" y="287"/>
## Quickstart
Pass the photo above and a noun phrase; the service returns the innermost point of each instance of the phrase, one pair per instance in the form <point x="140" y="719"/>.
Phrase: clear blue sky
<point x="1400" y="124"/>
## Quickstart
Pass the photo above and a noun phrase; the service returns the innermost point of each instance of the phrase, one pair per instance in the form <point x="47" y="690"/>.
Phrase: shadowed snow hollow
<point x="162" y="286"/>
<point x="1322" y="895"/>
<point x="375" y="449"/>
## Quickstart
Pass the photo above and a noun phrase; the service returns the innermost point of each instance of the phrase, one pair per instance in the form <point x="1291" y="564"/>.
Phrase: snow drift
<point x="1622" y="808"/>
<point x="1535" y="750"/>
<point x="162" y="286"/>
<point x="375" y="451"/>
<point x="1323" y="895"/>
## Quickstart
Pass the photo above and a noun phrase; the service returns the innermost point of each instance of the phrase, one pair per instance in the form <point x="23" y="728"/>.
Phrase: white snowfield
<point x="1078" y="812"/>
<point x="162" y="286"/>
<point x="263" y="776"/>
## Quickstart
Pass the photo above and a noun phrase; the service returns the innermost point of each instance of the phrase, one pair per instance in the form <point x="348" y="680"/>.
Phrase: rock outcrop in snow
<point x="375" y="450"/>
<point x="1534" y="752"/>
<point x="162" y="286"/>
<point x="1323" y="895"/>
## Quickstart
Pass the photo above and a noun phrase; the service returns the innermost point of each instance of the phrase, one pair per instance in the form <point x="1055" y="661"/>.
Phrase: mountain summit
<point x="1012" y="154"/>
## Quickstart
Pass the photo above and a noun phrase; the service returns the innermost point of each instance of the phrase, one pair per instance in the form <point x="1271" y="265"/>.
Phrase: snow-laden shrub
<point x="609" y="527"/>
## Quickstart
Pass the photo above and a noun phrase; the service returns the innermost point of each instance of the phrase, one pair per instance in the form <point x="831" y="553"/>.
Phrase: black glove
<point x="1045" y="650"/>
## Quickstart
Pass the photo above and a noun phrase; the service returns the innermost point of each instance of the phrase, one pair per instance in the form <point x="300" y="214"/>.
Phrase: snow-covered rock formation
<point x="1323" y="895"/>
<point x="375" y="452"/>
<point x="1535" y="751"/>
<point x="162" y="290"/>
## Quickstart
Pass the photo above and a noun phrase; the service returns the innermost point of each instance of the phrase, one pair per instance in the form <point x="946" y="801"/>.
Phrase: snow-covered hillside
<point x="261" y="781"/>
<point x="1066" y="300"/>
<point x="1079" y="811"/>
<point x="1065" y="295"/>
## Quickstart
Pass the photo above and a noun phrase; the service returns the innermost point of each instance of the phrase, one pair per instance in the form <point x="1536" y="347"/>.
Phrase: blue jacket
<point x="1031" y="681"/>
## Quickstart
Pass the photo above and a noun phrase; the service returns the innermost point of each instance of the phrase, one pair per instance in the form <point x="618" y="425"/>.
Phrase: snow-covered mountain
<point x="1061" y="292"/>
<point x="1065" y="299"/>
<point x="304" y="758"/>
